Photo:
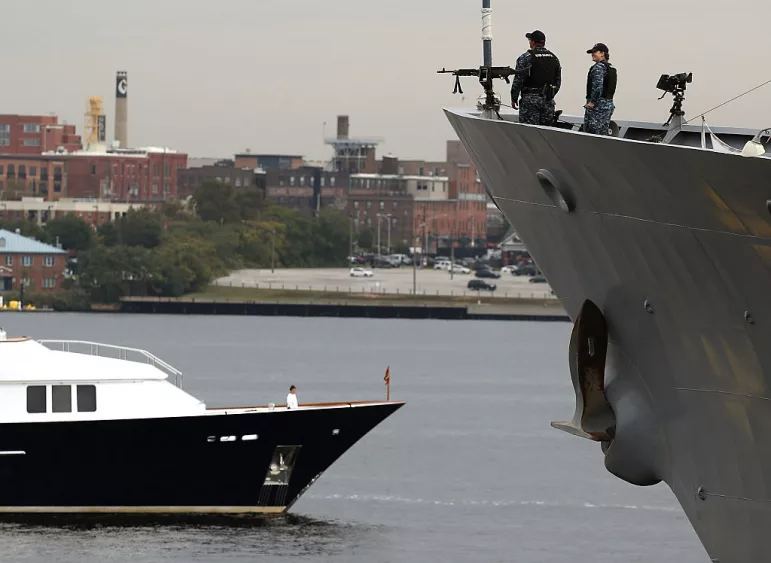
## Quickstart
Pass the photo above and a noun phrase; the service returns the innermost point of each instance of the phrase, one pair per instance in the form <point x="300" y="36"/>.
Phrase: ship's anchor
<point x="594" y="418"/>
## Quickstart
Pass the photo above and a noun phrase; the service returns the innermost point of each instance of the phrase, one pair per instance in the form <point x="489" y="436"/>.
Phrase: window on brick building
<point x="31" y="142"/>
<point x="44" y="172"/>
<point x="332" y="181"/>
<point x="49" y="261"/>
<point x="58" y="173"/>
<point x="26" y="260"/>
<point x="5" y="135"/>
<point x="29" y="283"/>
<point x="369" y="205"/>
<point x="11" y="171"/>
<point x="32" y="128"/>
<point x="22" y="171"/>
<point x="49" y="283"/>
<point x="57" y="187"/>
<point x="33" y="170"/>
<point x="155" y="188"/>
<point x="355" y="204"/>
<point x="382" y="205"/>
<point x="9" y="260"/>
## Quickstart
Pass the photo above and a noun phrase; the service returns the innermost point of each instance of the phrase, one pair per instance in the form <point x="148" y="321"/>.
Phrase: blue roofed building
<point x="25" y="260"/>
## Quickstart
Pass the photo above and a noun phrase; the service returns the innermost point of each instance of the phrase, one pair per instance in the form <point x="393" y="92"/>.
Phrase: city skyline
<point x="266" y="76"/>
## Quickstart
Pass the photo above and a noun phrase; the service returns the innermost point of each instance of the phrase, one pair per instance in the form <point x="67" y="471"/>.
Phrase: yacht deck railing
<point x="116" y="352"/>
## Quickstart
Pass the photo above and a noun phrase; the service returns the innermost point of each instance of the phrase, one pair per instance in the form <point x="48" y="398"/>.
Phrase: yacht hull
<point x="214" y="463"/>
<point x="673" y="245"/>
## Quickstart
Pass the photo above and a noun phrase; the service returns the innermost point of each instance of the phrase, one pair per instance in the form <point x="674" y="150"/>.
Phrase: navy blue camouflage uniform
<point x="597" y="119"/>
<point x="534" y="107"/>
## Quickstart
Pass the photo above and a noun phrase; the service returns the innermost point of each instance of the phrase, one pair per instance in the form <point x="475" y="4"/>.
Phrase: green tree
<point x="71" y="231"/>
<point x="139" y="227"/>
<point x="26" y="228"/>
<point x="331" y="238"/>
<point x="251" y="203"/>
<point x="215" y="201"/>
<point x="109" y="273"/>
<point x="365" y="240"/>
<point x="186" y="264"/>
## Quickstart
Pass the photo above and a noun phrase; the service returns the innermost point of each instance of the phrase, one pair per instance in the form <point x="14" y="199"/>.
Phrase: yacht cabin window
<point x="61" y="398"/>
<point x="86" y="398"/>
<point x="36" y="399"/>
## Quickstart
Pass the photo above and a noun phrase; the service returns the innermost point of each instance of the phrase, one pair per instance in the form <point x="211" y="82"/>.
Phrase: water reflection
<point x="241" y="535"/>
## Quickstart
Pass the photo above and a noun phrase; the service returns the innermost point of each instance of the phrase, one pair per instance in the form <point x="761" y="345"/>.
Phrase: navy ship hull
<point x="223" y="462"/>
<point x="672" y="244"/>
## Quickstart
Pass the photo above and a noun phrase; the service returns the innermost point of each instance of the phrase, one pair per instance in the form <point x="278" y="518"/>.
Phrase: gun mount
<point x="486" y="74"/>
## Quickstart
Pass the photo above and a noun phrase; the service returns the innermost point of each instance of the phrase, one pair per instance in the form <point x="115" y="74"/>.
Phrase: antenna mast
<point x="487" y="33"/>
<point x="490" y="102"/>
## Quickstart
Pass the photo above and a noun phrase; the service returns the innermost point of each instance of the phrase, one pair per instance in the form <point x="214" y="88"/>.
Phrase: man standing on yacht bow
<point x="291" y="398"/>
<point x="537" y="77"/>
<point x="600" y="88"/>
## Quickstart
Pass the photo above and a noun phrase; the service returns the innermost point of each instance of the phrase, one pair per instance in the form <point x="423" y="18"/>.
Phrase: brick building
<point x="39" y="210"/>
<point x="39" y="266"/>
<point x="268" y="161"/>
<point x="370" y="207"/>
<point x="296" y="188"/>
<point x="450" y="200"/>
<point x="121" y="174"/>
<point x="223" y="171"/>
<point x="36" y="134"/>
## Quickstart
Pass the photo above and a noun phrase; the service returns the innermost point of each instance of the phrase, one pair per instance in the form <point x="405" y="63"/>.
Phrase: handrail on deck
<point x="123" y="352"/>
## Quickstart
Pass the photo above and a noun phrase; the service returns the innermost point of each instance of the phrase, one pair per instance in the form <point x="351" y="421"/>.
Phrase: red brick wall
<point x="46" y="139"/>
<point x="37" y="272"/>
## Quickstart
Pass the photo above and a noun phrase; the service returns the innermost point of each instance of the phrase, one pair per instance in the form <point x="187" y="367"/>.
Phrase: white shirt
<point x="291" y="401"/>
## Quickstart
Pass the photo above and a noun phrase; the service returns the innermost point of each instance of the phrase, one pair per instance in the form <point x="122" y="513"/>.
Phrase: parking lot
<point x="388" y="280"/>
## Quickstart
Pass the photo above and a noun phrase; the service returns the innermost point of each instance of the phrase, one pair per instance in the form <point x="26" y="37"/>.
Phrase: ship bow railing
<point x="115" y="352"/>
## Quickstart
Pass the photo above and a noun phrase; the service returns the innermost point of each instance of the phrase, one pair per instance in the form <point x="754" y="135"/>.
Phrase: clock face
<point x="122" y="86"/>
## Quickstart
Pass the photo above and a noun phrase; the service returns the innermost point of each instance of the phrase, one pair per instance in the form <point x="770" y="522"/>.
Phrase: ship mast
<point x="490" y="102"/>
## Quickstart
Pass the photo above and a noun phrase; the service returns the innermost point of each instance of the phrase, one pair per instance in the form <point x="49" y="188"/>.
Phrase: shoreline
<point x="359" y="305"/>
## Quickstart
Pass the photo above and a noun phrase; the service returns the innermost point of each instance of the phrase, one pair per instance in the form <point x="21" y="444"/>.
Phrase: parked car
<point x="442" y="265"/>
<point x="458" y="269"/>
<point x="509" y="270"/>
<point x="480" y="285"/>
<point x="487" y="273"/>
<point x="538" y="278"/>
<point x="361" y="273"/>
<point x="527" y="270"/>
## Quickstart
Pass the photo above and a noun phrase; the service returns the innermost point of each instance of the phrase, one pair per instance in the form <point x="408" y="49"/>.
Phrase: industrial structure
<point x="354" y="156"/>
<point x="121" y="109"/>
<point x="95" y="124"/>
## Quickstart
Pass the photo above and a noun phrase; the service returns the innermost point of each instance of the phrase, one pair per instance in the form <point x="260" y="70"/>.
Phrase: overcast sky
<point x="213" y="78"/>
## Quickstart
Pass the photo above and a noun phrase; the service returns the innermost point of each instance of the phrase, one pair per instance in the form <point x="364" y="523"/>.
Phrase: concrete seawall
<point x="403" y="309"/>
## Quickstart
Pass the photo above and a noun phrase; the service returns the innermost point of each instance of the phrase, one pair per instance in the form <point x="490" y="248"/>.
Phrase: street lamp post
<point x="273" y="251"/>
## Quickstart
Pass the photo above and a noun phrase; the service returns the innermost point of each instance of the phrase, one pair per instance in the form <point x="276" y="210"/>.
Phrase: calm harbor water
<point x="468" y="470"/>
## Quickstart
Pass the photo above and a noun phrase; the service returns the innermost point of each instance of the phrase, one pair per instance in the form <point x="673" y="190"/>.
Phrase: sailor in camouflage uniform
<point x="600" y="88"/>
<point x="537" y="77"/>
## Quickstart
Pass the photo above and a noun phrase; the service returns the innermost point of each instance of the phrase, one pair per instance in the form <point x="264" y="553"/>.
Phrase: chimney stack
<point x="121" y="109"/>
<point x="342" y="126"/>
